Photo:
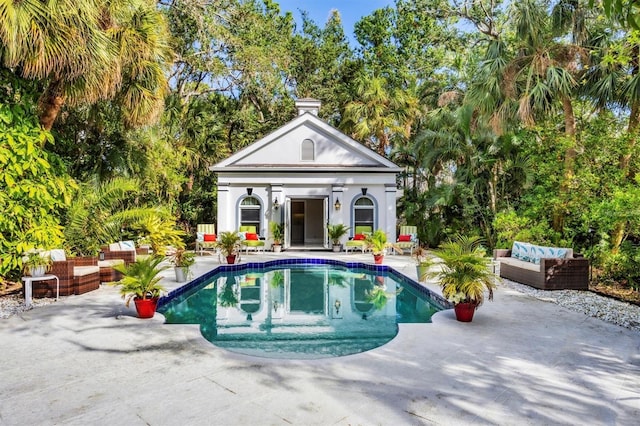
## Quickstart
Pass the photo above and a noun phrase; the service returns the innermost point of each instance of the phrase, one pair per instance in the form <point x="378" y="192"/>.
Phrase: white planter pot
<point x="182" y="272"/>
<point x="37" y="271"/>
<point x="277" y="248"/>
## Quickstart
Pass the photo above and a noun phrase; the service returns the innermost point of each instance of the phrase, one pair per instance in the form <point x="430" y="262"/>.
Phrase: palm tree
<point x="99" y="211"/>
<point x="379" y="113"/>
<point x="617" y="82"/>
<point x="540" y="75"/>
<point x="86" y="50"/>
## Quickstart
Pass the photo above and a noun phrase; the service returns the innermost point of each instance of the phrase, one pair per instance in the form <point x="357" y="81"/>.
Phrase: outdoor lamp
<point x="249" y="191"/>
<point x="337" y="204"/>
<point x="276" y="204"/>
<point x="337" y="306"/>
<point x="364" y="191"/>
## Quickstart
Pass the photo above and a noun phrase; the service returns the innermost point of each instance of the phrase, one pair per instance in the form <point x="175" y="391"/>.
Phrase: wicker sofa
<point x="548" y="268"/>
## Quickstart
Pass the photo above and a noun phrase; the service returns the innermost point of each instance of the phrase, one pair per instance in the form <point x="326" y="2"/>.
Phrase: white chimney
<point x="308" y="105"/>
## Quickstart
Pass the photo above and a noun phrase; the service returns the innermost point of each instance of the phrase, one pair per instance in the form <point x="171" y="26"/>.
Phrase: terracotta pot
<point x="146" y="307"/>
<point x="464" y="311"/>
<point x="231" y="259"/>
<point x="378" y="258"/>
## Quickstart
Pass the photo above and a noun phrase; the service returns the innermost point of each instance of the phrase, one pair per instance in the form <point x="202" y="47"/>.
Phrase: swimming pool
<point x="300" y="308"/>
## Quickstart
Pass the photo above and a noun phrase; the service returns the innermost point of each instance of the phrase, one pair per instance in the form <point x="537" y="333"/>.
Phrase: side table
<point x="28" y="289"/>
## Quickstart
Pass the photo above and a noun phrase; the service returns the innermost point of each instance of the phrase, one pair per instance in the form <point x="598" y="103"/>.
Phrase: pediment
<point x="283" y="150"/>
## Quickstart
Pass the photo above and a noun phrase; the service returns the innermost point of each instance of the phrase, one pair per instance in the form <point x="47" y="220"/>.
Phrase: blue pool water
<point x="300" y="308"/>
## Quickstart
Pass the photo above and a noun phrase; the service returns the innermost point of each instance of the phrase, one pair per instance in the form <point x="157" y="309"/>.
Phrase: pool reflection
<point x="300" y="312"/>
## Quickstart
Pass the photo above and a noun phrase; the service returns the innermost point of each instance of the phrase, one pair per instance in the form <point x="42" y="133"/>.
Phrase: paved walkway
<point x="86" y="360"/>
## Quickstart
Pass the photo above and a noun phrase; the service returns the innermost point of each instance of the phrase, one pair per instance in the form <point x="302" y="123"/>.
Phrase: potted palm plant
<point x="182" y="261"/>
<point x="277" y="230"/>
<point x="423" y="262"/>
<point x="465" y="275"/>
<point x="336" y="232"/>
<point x="378" y="244"/>
<point x="229" y="243"/>
<point x="36" y="263"/>
<point x="140" y="282"/>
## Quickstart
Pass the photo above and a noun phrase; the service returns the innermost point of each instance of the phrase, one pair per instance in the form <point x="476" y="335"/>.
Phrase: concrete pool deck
<point x="87" y="360"/>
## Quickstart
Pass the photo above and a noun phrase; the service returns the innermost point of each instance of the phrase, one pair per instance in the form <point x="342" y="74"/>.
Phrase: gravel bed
<point x="607" y="309"/>
<point x="13" y="304"/>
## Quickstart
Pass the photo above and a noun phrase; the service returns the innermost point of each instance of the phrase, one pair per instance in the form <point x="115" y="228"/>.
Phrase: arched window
<point x="250" y="212"/>
<point x="364" y="213"/>
<point x="307" y="152"/>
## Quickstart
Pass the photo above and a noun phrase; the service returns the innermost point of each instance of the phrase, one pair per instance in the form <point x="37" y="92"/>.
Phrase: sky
<point x="350" y="10"/>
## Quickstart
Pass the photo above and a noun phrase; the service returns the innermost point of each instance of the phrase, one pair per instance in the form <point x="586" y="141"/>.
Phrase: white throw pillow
<point x="57" y="255"/>
<point x="127" y="245"/>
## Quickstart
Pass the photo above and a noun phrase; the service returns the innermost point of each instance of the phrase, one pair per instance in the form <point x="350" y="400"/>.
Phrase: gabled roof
<point x="280" y="151"/>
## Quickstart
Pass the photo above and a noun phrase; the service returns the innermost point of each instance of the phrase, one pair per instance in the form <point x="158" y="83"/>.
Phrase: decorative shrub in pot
<point x="229" y="243"/>
<point x="336" y="232"/>
<point x="36" y="263"/>
<point x="182" y="261"/>
<point x="465" y="275"/>
<point x="378" y="244"/>
<point x="277" y="231"/>
<point x="140" y="282"/>
<point x="423" y="262"/>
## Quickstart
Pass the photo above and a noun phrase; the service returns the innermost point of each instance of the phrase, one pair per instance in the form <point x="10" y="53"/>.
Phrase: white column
<point x="390" y="211"/>
<point x="225" y="208"/>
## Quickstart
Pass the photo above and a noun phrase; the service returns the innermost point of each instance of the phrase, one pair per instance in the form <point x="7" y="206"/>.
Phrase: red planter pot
<point x="464" y="311"/>
<point x="377" y="258"/>
<point x="146" y="307"/>
<point x="231" y="259"/>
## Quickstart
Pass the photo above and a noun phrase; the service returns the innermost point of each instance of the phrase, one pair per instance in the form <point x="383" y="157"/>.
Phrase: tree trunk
<point x="50" y="104"/>
<point x="569" y="164"/>
<point x="493" y="192"/>
<point x="617" y="235"/>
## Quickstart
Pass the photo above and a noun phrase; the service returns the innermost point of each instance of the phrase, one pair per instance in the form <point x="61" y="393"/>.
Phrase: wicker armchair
<point x="77" y="275"/>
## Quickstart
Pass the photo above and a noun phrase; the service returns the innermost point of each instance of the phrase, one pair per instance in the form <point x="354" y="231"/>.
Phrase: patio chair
<point x="408" y="238"/>
<point x="125" y="250"/>
<point x="205" y="237"/>
<point x="251" y="239"/>
<point x="359" y="239"/>
<point x="77" y="275"/>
